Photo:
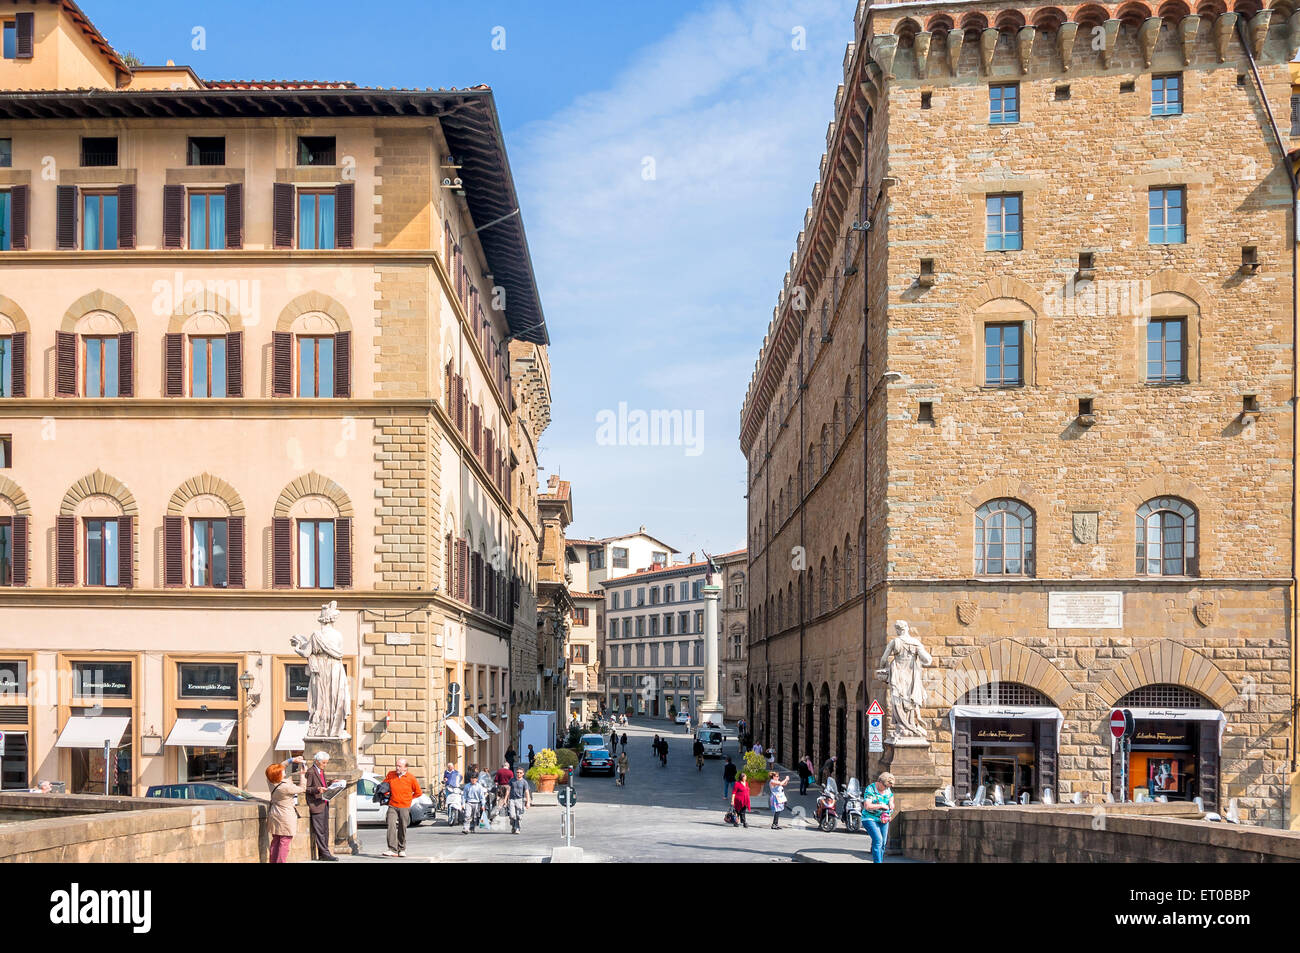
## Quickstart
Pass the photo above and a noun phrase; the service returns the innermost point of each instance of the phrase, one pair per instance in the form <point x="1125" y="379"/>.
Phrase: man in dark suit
<point x="319" y="807"/>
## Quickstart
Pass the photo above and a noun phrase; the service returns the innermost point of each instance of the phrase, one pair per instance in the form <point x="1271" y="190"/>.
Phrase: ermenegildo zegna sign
<point x="198" y="680"/>
<point x="102" y="679"/>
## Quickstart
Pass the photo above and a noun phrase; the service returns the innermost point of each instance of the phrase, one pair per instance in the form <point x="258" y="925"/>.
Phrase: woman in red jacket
<point x="740" y="799"/>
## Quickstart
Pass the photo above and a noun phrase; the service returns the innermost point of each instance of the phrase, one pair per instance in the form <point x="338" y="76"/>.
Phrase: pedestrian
<point x="531" y="756"/>
<point x="282" y="815"/>
<point x="776" y="797"/>
<point x="771" y="760"/>
<point x="502" y="778"/>
<point x="473" y="806"/>
<point x="877" y="812"/>
<point x="654" y="745"/>
<point x="828" y="769"/>
<point x="758" y="748"/>
<point x="622" y="768"/>
<point x="318" y="806"/>
<point x="451" y="777"/>
<point x="805" y="774"/>
<point x="663" y="752"/>
<point x="728" y="777"/>
<point x="403" y="789"/>
<point x="511" y="756"/>
<point x="521" y="799"/>
<point x="623" y="741"/>
<point x="740" y="799"/>
<point x="698" y="750"/>
<point x="613" y="742"/>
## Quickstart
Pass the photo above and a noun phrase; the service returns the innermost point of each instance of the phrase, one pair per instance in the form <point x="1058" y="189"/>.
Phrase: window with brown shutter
<point x="344" y="214"/>
<point x="20" y="198"/>
<point x="65" y="207"/>
<point x="18" y="546"/>
<point x="173" y="551"/>
<point x="174" y="346"/>
<point x="235" y="364"/>
<point x="126" y="364"/>
<point x="126" y="216"/>
<point x="281" y="553"/>
<point x="343" y="553"/>
<point x="18" y="364"/>
<point x="235" y="216"/>
<point x="24" y="35"/>
<point x="448" y="556"/>
<point x="462" y="570"/>
<point x="282" y="214"/>
<point x="65" y="542"/>
<point x="235" y="552"/>
<point x="125" y="552"/>
<point x="343" y="364"/>
<point x="173" y="216"/>
<point x="65" y="364"/>
<point x="281" y="364"/>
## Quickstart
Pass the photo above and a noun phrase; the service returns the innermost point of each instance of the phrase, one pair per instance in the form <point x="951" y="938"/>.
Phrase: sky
<point x="664" y="155"/>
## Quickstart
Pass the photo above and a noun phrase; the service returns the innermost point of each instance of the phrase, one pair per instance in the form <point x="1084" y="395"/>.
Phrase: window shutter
<point x="235" y="552"/>
<point x="20" y="202"/>
<point x="18" y="363"/>
<point x="449" y="555"/>
<point x="343" y="552"/>
<point x="65" y="364"/>
<point x="282" y="214"/>
<point x="65" y="207"/>
<point x="281" y="553"/>
<point x="19" y="529"/>
<point x="126" y="216"/>
<point x="175" y="347"/>
<point x="344" y="214"/>
<point x="125" y="553"/>
<point x="173" y="216"/>
<point x="126" y="364"/>
<point x="281" y="364"/>
<point x="1295" y="114"/>
<point x="173" y="551"/>
<point x="24" y="35"/>
<point x="65" y="538"/>
<point x="462" y="568"/>
<point x="235" y="364"/>
<point x="235" y="216"/>
<point x="343" y="364"/>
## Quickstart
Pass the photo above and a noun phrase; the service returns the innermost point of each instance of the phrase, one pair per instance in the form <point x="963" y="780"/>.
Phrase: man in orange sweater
<point x="405" y="789"/>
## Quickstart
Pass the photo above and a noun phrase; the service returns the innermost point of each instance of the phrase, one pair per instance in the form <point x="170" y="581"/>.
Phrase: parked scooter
<point x="852" y="805"/>
<point x="825" y="812"/>
<point x="455" y="806"/>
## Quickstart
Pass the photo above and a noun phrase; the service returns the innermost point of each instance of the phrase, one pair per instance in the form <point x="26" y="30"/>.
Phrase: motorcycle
<point x="455" y="807"/>
<point x="853" y="805"/>
<point x="825" y="813"/>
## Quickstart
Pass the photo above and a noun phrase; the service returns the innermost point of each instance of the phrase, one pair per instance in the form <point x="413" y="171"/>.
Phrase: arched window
<point x="824" y="588"/>
<point x="826" y="460"/>
<point x="1166" y="538"/>
<point x="848" y="568"/>
<point x="1004" y="539"/>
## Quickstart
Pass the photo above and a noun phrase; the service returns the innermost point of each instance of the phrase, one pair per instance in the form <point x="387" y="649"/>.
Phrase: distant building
<point x="733" y="646"/>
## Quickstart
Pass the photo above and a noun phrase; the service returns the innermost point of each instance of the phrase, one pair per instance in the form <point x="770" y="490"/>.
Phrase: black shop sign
<point x="1162" y="734"/>
<point x="209" y="680"/>
<point x="1002" y="731"/>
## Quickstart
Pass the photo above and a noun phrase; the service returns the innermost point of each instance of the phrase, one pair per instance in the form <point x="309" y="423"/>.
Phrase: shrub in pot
<point x="755" y="771"/>
<point x="546" y="770"/>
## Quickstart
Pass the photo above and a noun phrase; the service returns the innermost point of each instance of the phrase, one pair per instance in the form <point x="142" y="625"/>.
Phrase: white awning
<point x="459" y="732"/>
<point x="487" y="722"/>
<point x="86" y="731"/>
<point x="1176" y="714"/>
<point x="1035" y="712"/>
<point x="201" y="732"/>
<point x="474" y="727"/>
<point x="291" y="735"/>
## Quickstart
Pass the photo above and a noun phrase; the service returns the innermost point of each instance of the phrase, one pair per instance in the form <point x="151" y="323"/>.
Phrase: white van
<point x="712" y="739"/>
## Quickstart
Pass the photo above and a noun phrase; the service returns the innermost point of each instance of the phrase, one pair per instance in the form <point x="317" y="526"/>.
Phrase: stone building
<point x="582" y="651"/>
<point x="733" y="642"/>
<point x="253" y="363"/>
<point x="555" y="606"/>
<point x="1028" y="387"/>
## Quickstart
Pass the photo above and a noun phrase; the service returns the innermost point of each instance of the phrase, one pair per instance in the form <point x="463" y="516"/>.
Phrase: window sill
<point x="1159" y="384"/>
<point x="996" y="387"/>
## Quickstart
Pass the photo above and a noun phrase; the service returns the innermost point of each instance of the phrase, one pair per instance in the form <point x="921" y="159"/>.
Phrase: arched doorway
<point x="795" y="753"/>
<point x="1175" y="746"/>
<point x="767" y="718"/>
<point x="1005" y="734"/>
<point x="810" y="733"/>
<point x="841" y="735"/>
<point x="823" y="724"/>
<point x="860" y="736"/>
<point x="780" y="724"/>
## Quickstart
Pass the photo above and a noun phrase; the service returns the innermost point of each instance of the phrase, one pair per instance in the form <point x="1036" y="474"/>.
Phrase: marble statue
<point x="900" y="668"/>
<point x="329" y="695"/>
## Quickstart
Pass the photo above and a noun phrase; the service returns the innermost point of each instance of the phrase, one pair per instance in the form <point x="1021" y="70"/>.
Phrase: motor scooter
<point x="825" y="813"/>
<point x="455" y="806"/>
<point x="852" y="805"/>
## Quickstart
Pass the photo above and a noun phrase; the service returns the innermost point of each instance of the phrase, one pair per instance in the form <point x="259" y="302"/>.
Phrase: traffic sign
<point x="876" y="733"/>
<point x="1118" y="726"/>
<point x="566" y="796"/>
<point x="875" y="708"/>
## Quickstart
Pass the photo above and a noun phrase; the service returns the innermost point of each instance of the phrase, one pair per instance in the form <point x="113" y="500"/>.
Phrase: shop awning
<point x="487" y="723"/>
<point x="1177" y="714"/>
<point x="201" y="732"/>
<point x="1036" y="712"/>
<point x="459" y="732"/>
<point x="291" y="735"/>
<point x="476" y="728"/>
<point x="87" y="731"/>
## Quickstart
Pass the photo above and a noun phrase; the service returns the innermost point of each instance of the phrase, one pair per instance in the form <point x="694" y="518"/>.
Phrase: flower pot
<point x="546" y="782"/>
<point x="755" y="787"/>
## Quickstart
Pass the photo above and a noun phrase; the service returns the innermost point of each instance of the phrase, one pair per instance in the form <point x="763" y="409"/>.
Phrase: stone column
<point x="710" y="708"/>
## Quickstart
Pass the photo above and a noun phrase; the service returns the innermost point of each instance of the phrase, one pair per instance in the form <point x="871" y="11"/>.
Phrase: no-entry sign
<point x="1117" y="723"/>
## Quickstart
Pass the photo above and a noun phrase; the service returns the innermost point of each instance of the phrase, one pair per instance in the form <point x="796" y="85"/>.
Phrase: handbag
<point x="729" y="818"/>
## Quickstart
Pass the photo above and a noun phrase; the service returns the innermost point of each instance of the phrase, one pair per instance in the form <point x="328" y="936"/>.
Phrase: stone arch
<point x="1007" y="661"/>
<point x="1173" y="10"/>
<point x="205" y="484"/>
<point x="1169" y="280"/>
<point x="1169" y="485"/>
<point x="99" y="483"/>
<point x="974" y="21"/>
<point x="312" y="484"/>
<point x="1167" y="662"/>
<point x="940" y="23"/>
<point x="1133" y="13"/>
<point x="906" y="31"/>
<point x="1091" y="14"/>
<point x="1211" y="8"/>
<point x="188" y="307"/>
<point x="1004" y="287"/>
<point x="12" y="492"/>
<point x="1282" y="9"/>
<point x="1007" y="488"/>
<point x="1048" y="19"/>
<point x="309" y="302"/>
<point x="98" y="300"/>
<point x="1009" y="21"/>
<point x="9" y="308"/>
<point x="1247" y="8"/>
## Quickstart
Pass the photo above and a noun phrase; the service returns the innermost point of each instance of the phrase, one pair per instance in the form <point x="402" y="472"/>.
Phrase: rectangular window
<point x="6" y="153"/>
<point x="207" y="220"/>
<point x="6" y="221"/>
<point x="620" y="558"/>
<point x="660" y="558"/>
<point x="206" y="150"/>
<point x="316" y="367"/>
<point x="654" y="625"/>
<point x="316" y="150"/>
<point x="640" y="626"/>
<point x="6" y="366"/>
<point x="683" y="622"/>
<point x="101" y="552"/>
<point x="613" y="600"/>
<point x="699" y="621"/>
<point x="1003" y="225"/>
<point x="101" y="367"/>
<point x="654" y="595"/>
<point x="1004" y="104"/>
<point x="208" y="553"/>
<point x="682" y="592"/>
<point x="595" y="559"/>
<point x="208" y="367"/>
<point x="1166" y="221"/>
<point x="640" y="597"/>
<point x="668" y="624"/>
<point x="1003" y="355"/>
<point x="1167" y="95"/>
<point x="315" y="554"/>
<point x="99" y="150"/>
<point x="99" y="221"/>
<point x="6" y="552"/>
<point x="316" y="219"/>
<point x="6" y="451"/>
<point x="11" y="40"/>
<point x="1166" y="350"/>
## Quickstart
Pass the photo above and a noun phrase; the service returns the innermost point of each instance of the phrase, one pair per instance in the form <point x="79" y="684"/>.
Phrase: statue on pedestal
<point x="329" y="696"/>
<point x="901" y="669"/>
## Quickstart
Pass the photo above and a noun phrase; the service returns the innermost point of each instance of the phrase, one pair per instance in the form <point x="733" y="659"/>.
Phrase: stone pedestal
<point x="915" y="781"/>
<point x="342" y="766"/>
<point x="710" y="708"/>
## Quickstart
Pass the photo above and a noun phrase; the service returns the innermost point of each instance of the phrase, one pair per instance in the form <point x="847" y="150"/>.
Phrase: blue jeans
<point x="879" y="837"/>
<point x="726" y="789"/>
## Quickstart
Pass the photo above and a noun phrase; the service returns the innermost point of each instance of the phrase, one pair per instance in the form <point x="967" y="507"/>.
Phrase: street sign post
<point x="875" y="728"/>
<point x="1122" y="727"/>
<point x="1117" y="726"/>
<point x="567" y="798"/>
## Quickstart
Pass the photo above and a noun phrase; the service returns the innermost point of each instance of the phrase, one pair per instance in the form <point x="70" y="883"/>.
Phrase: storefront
<point x="1012" y="746"/>
<point x="99" y="730"/>
<point x="15" y="725"/>
<point x="1174" y="755"/>
<point x="203" y="718"/>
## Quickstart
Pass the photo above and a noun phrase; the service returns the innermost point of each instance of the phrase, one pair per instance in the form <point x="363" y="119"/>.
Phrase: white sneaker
<point x="390" y="853"/>
<point x="401" y="853"/>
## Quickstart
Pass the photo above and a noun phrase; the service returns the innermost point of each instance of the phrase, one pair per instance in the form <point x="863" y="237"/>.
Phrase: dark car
<point x="202" y="791"/>
<point x="596" y="759"/>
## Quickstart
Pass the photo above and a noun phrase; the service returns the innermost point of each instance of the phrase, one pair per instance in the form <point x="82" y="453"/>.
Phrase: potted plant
<point x="546" y="770"/>
<point x="756" y="773"/>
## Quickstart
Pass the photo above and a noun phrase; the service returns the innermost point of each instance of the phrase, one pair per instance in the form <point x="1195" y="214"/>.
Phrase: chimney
<point x="692" y="559"/>
<point x="553" y="481"/>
